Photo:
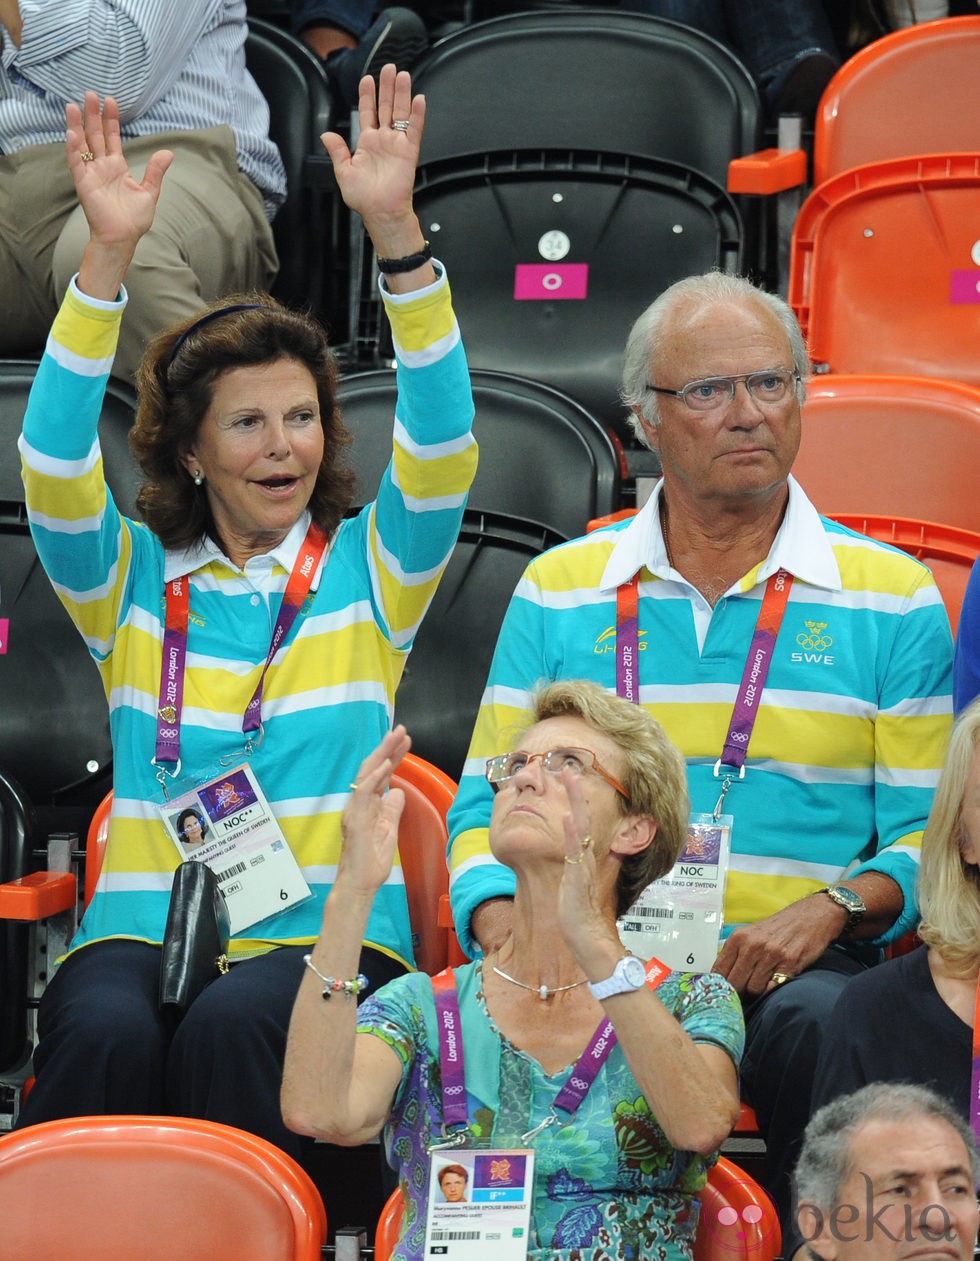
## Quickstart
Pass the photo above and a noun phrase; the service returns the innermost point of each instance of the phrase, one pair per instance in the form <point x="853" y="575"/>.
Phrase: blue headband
<point x="206" y="319"/>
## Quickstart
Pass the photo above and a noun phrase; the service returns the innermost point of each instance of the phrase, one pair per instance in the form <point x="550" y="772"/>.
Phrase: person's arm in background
<point x="132" y="50"/>
<point x="966" y="657"/>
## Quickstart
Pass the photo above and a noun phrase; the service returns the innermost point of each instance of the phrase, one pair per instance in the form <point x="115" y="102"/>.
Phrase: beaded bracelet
<point x="334" y="985"/>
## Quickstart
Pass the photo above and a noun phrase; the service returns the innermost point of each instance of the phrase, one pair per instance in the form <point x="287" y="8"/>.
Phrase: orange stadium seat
<point x="886" y="444"/>
<point x="884" y="272"/>
<point x="113" y="1188"/>
<point x="912" y="91"/>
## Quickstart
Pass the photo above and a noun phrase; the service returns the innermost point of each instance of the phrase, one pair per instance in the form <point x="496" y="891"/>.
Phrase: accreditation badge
<point x="479" y="1204"/>
<point x="228" y="824"/>
<point x="679" y="917"/>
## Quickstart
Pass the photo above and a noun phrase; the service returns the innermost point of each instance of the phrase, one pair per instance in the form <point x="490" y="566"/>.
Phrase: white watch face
<point x="632" y="971"/>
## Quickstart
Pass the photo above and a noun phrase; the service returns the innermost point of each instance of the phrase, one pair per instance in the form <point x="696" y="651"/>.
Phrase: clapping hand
<point x="370" y="822"/>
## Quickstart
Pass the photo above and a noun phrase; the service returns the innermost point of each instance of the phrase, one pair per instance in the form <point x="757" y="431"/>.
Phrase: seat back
<point x="574" y="245"/>
<point x="913" y="91"/>
<point x="737" y="1219"/>
<point x="563" y="203"/>
<point x="54" y="722"/>
<point x="542" y="456"/>
<point x="294" y="83"/>
<point x="155" y="1188"/>
<point x="891" y="445"/>
<point x="588" y="78"/>
<point x="422" y="840"/>
<point x="870" y="301"/>
<point x="949" y="552"/>
<point x="446" y="671"/>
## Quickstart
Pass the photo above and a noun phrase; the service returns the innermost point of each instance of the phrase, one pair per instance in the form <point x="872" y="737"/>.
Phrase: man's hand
<point x="784" y="943"/>
<point x="789" y="941"/>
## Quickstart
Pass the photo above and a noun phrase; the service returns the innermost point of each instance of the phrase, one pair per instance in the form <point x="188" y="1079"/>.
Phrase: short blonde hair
<point x="654" y="774"/>
<point x="949" y="887"/>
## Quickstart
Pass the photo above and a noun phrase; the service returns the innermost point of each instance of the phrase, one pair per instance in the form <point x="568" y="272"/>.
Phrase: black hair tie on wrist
<point x="393" y="266"/>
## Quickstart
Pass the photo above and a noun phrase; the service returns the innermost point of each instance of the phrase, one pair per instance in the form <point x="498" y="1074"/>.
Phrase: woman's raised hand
<point x="370" y="822"/>
<point x="119" y="209"/>
<point x="377" y="180"/>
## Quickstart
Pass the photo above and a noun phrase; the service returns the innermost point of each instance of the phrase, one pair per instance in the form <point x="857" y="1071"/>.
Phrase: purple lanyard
<point x="569" y="1099"/>
<point x="975" y="1071"/>
<point x="754" y="675"/>
<point x="176" y="622"/>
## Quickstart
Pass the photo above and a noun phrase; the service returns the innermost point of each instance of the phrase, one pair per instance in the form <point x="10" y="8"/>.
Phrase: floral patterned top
<point x="594" y="1200"/>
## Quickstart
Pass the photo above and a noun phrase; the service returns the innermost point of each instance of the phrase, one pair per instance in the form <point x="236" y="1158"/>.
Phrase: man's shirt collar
<point x="801" y="546"/>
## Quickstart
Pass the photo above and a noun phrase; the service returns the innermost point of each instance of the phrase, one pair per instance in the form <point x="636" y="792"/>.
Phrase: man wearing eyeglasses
<point x="803" y="670"/>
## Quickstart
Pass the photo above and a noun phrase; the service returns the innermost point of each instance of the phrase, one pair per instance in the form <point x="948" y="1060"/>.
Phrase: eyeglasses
<point x="769" y="388"/>
<point x="554" y="761"/>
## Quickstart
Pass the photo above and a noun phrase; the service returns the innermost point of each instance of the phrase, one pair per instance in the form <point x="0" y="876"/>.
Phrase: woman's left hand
<point x="369" y="826"/>
<point x="377" y="180"/>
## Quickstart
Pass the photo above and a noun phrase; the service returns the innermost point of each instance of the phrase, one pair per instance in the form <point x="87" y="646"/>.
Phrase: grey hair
<point x="646" y="336"/>
<point x="826" y="1158"/>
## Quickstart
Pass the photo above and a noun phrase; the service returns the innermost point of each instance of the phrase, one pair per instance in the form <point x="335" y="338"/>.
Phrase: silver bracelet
<point x="334" y="985"/>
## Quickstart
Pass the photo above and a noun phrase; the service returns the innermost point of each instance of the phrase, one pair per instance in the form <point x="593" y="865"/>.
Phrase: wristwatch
<point x="852" y="903"/>
<point x="628" y="974"/>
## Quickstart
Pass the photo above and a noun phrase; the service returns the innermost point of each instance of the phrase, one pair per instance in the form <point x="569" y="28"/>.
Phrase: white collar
<point x="199" y="555"/>
<point x="801" y="546"/>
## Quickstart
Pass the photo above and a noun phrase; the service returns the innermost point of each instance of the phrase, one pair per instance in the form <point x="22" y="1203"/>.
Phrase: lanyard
<point x="975" y="1071"/>
<point x="569" y="1099"/>
<point x="754" y="674"/>
<point x="176" y="622"/>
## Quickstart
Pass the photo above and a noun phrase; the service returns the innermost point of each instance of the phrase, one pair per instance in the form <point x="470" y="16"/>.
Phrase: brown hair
<point x="175" y="382"/>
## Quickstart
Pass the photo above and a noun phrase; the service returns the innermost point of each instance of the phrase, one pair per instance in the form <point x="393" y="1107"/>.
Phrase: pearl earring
<point x="198" y="478"/>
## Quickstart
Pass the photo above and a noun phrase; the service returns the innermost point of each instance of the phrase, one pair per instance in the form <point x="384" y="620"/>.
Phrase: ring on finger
<point x="87" y="155"/>
<point x="780" y="978"/>
<point x="400" y="124"/>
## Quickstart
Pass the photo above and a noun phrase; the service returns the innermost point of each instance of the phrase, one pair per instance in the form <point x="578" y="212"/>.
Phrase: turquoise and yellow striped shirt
<point x="329" y="692"/>
<point x="850" y="735"/>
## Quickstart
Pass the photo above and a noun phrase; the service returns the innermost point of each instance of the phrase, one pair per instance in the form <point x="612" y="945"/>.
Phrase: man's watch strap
<point x="850" y="900"/>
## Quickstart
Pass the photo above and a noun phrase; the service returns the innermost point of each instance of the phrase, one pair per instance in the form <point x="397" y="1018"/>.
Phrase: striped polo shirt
<point x="849" y="737"/>
<point x="329" y="693"/>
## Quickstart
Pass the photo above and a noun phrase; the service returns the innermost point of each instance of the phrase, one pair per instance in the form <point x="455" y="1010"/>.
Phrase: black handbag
<point x="195" y="941"/>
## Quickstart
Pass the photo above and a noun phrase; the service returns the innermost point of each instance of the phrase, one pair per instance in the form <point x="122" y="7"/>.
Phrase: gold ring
<point x="780" y="978"/>
<point x="87" y="155"/>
